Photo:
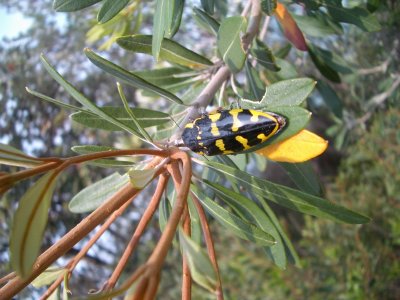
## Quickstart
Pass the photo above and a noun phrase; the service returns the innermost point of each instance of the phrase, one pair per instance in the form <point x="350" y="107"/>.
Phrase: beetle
<point x="231" y="131"/>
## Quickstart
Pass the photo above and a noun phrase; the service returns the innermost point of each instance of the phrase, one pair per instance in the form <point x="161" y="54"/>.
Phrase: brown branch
<point x="209" y="244"/>
<point x="82" y="253"/>
<point x="186" y="277"/>
<point x="72" y="237"/>
<point x="151" y="269"/>
<point x="144" y="221"/>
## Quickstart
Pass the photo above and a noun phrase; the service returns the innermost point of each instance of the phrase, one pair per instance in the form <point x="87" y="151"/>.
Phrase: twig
<point x="209" y="244"/>
<point x="144" y="221"/>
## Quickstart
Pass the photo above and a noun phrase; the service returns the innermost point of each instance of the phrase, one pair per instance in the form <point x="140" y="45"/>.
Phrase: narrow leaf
<point x="357" y="16"/>
<point x="55" y="101"/>
<point x="176" y="18"/>
<point x="170" y="51"/>
<point x="206" y="20"/>
<point x="263" y="55"/>
<point x="290" y="28"/>
<point x="110" y="9"/>
<point x="166" y="76"/>
<point x="331" y="98"/>
<point x="239" y="227"/>
<point x="96" y="194"/>
<point x="14" y="157"/>
<point x="287" y="197"/>
<point x="72" y="5"/>
<point x="128" y="77"/>
<point x="304" y="177"/>
<point x="229" y="42"/>
<point x="255" y="84"/>
<point x="316" y="25"/>
<point x="201" y="269"/>
<point x="82" y="99"/>
<point x="132" y="116"/>
<point x="140" y="178"/>
<point x="322" y="66"/>
<point x="162" y="22"/>
<point x="48" y="276"/>
<point x="253" y="213"/>
<point x="147" y="118"/>
<point x="29" y="224"/>
<point x="208" y="6"/>
<point x="331" y="59"/>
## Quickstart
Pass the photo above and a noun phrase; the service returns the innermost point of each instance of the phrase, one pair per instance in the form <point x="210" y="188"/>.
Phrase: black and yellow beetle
<point x="231" y="131"/>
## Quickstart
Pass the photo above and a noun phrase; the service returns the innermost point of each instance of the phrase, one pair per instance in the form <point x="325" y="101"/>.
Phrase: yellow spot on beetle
<point x="236" y="122"/>
<point x="199" y="137"/>
<point x="243" y="141"/>
<point x="189" y="125"/>
<point x="214" y="117"/>
<point x="214" y="129"/>
<point x="262" y="137"/>
<point x="220" y="144"/>
<point x="257" y="113"/>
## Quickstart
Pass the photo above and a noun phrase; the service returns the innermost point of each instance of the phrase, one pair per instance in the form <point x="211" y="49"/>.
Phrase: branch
<point x="73" y="236"/>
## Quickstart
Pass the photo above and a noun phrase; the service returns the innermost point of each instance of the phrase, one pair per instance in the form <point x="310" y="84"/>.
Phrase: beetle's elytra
<point x="231" y="131"/>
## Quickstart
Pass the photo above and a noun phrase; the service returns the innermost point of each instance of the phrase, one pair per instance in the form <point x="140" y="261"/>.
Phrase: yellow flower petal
<point x="302" y="146"/>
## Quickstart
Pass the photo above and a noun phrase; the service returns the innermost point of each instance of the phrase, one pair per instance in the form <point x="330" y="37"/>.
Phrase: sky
<point x="11" y="24"/>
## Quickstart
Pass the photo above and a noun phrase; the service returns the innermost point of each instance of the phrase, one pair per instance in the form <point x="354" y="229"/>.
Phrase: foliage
<point x="189" y="82"/>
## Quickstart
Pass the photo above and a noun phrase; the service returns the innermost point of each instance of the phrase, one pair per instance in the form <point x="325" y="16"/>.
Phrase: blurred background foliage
<point x="360" y="170"/>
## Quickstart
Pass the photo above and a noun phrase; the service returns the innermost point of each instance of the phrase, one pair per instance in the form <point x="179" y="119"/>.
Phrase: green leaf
<point x="304" y="177"/>
<point x="14" y="157"/>
<point x="268" y="6"/>
<point x="251" y="212"/>
<point x="323" y="67"/>
<point x="132" y="116"/>
<point x="208" y="6"/>
<point x="291" y="254"/>
<point x="201" y="268"/>
<point x="48" y="276"/>
<point x="147" y="118"/>
<point x="316" y="26"/>
<point x="206" y="20"/>
<point x="229" y="42"/>
<point x="331" y="98"/>
<point x="170" y="51"/>
<point x="256" y="86"/>
<point x="55" y="101"/>
<point x="29" y="224"/>
<point x="96" y="194"/>
<point x="140" y="178"/>
<point x="263" y="55"/>
<point x="334" y="61"/>
<point x="286" y="93"/>
<point x="72" y="5"/>
<point x="110" y="9"/>
<point x="196" y="232"/>
<point x="176" y="17"/>
<point x="83" y="100"/>
<point x="165" y="76"/>
<point x="357" y="16"/>
<point x="288" y="197"/>
<point x="238" y="226"/>
<point x="128" y="77"/>
<point x="162" y="24"/>
<point x="104" y="162"/>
